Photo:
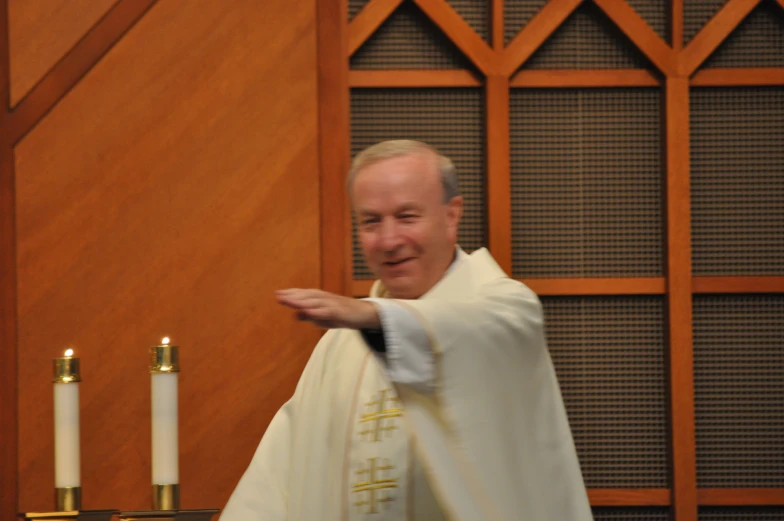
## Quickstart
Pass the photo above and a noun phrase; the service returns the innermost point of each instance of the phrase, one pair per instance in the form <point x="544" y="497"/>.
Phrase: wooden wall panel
<point x="170" y="192"/>
<point x="42" y="32"/>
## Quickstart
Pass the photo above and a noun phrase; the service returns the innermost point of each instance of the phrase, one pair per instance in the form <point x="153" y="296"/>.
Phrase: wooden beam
<point x="781" y="3"/>
<point x="738" y="77"/>
<point x="497" y="24"/>
<point x="534" y="34"/>
<point x="499" y="191"/>
<point x="334" y="145"/>
<point x="75" y="64"/>
<point x="569" y="287"/>
<point x="629" y="497"/>
<point x="679" y="302"/>
<point x="412" y="78"/>
<point x="741" y="496"/>
<point x="676" y="24"/>
<point x="569" y="78"/>
<point x="461" y="34"/>
<point x="9" y="419"/>
<point x="738" y="284"/>
<point x="598" y="286"/>
<point x="714" y="32"/>
<point x="367" y="21"/>
<point x="640" y="33"/>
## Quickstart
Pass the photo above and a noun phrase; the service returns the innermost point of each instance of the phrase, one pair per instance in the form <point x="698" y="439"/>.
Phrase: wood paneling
<point x="741" y="496"/>
<point x="629" y="497"/>
<point x="68" y="71"/>
<point x="42" y="32"/>
<point x="368" y="20"/>
<point x="412" y="78"/>
<point x="565" y="78"/>
<point x="738" y="285"/>
<point x="730" y="77"/>
<point x="679" y="299"/>
<point x="499" y="191"/>
<point x="170" y="192"/>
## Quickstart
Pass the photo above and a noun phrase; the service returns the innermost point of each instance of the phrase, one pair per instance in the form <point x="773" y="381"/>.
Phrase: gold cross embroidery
<point x="378" y="414"/>
<point x="375" y="487"/>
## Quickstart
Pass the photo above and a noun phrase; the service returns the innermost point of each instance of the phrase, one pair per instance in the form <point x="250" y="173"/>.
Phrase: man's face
<point x="407" y="232"/>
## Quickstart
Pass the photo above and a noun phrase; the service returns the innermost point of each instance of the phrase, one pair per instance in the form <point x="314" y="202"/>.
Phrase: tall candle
<point x="165" y="451"/>
<point x="66" y="427"/>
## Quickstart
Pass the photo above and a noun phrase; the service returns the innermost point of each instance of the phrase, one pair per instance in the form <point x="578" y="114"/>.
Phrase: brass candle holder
<point x="73" y="515"/>
<point x="66" y="377"/>
<point x="164" y="369"/>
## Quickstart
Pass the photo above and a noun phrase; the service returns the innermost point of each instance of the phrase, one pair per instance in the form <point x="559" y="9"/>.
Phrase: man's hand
<point x="329" y="310"/>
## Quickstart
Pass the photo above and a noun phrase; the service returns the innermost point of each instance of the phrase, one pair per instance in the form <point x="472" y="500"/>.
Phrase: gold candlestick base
<point x="166" y="497"/>
<point x="73" y="515"/>
<point x="170" y="515"/>
<point x="68" y="498"/>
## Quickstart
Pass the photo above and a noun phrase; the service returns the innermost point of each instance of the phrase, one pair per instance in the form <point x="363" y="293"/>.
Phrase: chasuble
<point x="489" y="440"/>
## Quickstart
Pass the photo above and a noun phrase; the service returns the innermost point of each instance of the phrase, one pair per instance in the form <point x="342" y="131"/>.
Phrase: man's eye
<point x="408" y="217"/>
<point x="366" y="222"/>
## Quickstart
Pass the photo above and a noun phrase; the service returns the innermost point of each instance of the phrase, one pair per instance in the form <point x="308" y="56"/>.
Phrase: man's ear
<point x="454" y="211"/>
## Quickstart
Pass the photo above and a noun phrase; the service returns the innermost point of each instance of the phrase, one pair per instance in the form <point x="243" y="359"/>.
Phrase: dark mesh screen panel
<point x="757" y="42"/>
<point x="631" y="514"/>
<point x="587" y="40"/>
<point x="476" y="13"/>
<point x="517" y="14"/>
<point x="750" y="513"/>
<point x="609" y="354"/>
<point x="408" y="40"/>
<point x="697" y="13"/>
<point x="586" y="183"/>
<point x="657" y="14"/>
<point x="355" y="6"/>
<point x="739" y="390"/>
<point x="737" y="181"/>
<point x="450" y="119"/>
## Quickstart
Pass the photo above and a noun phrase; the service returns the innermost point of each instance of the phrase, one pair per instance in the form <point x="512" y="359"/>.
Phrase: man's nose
<point x="390" y="235"/>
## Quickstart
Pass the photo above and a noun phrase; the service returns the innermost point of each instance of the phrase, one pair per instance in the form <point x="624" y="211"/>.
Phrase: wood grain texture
<point x="679" y="299"/>
<point x="170" y="192"/>
<point x="9" y="440"/>
<point x="70" y="69"/>
<point x="461" y="34"/>
<point x="781" y="3"/>
<point x="629" y="497"/>
<point x="640" y="33"/>
<point x="412" y="78"/>
<point x="570" y="78"/>
<point x="334" y="144"/>
<point x="42" y="32"/>
<point x="365" y="23"/>
<point x="715" y="31"/>
<point x="738" y="284"/>
<point x="741" y="496"/>
<point x="499" y="177"/>
<point x="738" y="77"/>
<point x="559" y="287"/>
<point x="534" y="34"/>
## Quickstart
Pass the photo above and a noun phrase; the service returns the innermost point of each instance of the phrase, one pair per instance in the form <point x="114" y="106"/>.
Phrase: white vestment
<point x="491" y="442"/>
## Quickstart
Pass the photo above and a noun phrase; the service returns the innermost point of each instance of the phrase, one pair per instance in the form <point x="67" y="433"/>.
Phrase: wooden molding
<point x="738" y="77"/>
<point x="611" y="497"/>
<point x="9" y="402"/>
<point x="569" y="287"/>
<point x="676" y="24"/>
<point x="367" y="21"/>
<point x="679" y="299"/>
<point x="461" y="34"/>
<point x="333" y="136"/>
<point x="497" y="24"/>
<point x="741" y="496"/>
<point x="534" y="34"/>
<point x="412" y="78"/>
<point x="75" y="64"/>
<point x="738" y="284"/>
<point x="499" y="191"/>
<point x="568" y="78"/>
<point x="640" y="33"/>
<point x="711" y="36"/>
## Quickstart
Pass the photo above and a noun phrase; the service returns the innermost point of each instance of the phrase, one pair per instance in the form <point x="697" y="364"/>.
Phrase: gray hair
<point x="406" y="147"/>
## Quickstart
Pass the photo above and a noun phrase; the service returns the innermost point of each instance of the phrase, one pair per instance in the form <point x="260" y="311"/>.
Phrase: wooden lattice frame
<point x="677" y="67"/>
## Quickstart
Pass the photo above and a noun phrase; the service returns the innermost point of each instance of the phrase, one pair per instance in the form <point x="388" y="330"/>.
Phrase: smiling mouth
<point x="396" y="263"/>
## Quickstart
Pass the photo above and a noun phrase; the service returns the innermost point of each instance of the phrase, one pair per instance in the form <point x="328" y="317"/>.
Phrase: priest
<point x="435" y="398"/>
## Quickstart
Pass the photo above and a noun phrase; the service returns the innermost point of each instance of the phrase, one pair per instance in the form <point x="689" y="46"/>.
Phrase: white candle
<point x="165" y="451"/>
<point x="66" y="422"/>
